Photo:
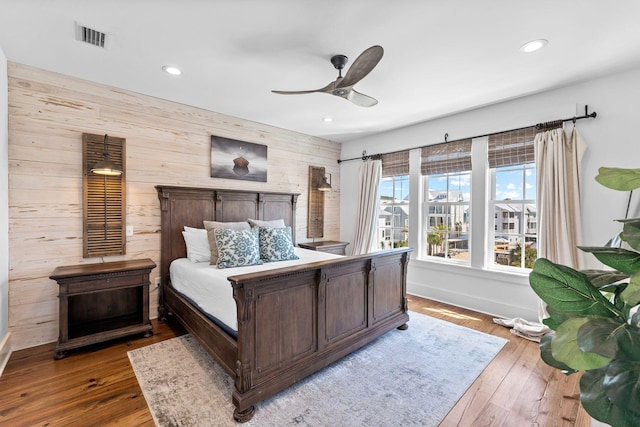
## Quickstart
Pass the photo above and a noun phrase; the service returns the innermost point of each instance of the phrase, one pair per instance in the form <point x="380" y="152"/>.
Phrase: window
<point x="446" y="200"/>
<point x="513" y="199"/>
<point x="393" y="220"/>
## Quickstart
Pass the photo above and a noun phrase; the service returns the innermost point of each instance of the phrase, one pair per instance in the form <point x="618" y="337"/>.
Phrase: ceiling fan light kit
<point x="343" y="86"/>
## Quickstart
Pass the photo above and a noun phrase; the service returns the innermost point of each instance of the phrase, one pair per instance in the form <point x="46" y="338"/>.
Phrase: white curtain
<point x="558" y="176"/>
<point x="368" y="203"/>
<point x="558" y="170"/>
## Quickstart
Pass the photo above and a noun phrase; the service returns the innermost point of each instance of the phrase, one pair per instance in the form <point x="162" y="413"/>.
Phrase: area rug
<point x="411" y="377"/>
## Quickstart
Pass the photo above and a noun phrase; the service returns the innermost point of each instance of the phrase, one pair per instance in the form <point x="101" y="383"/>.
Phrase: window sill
<point x="514" y="277"/>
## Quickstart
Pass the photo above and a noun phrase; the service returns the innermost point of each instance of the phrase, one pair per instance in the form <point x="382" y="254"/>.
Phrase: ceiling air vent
<point x="90" y="36"/>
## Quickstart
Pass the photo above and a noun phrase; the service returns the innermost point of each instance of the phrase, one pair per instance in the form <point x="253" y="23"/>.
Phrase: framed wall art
<point x="233" y="159"/>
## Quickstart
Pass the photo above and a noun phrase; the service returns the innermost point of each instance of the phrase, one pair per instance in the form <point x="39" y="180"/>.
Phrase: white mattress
<point x="208" y="287"/>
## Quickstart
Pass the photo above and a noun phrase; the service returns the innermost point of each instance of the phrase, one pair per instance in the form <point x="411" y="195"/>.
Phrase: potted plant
<point x="595" y="319"/>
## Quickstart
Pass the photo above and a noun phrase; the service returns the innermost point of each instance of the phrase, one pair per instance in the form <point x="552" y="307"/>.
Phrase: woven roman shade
<point x="394" y="164"/>
<point x="512" y="148"/>
<point x="448" y="157"/>
<point x="104" y="201"/>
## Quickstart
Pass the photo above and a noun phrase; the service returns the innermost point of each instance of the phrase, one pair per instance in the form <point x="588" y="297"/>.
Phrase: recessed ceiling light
<point x="173" y="70"/>
<point x="533" y="45"/>
<point x="327" y="119"/>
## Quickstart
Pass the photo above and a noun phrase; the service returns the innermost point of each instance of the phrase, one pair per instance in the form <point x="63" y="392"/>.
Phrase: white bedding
<point x="208" y="287"/>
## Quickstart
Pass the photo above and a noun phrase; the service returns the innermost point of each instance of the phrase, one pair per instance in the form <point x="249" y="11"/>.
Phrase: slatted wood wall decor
<point x="167" y="144"/>
<point x="315" y="227"/>
<point x="104" y="206"/>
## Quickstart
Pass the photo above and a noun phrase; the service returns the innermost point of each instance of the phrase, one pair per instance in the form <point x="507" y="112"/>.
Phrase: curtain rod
<point x="538" y="126"/>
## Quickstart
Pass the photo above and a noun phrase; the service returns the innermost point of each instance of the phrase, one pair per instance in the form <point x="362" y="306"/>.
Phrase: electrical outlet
<point x="157" y="282"/>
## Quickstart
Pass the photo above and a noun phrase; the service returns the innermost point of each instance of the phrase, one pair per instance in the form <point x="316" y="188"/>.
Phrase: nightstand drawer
<point x="103" y="282"/>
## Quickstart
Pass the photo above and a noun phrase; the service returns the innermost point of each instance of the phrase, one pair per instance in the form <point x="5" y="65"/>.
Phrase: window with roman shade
<point x="446" y="171"/>
<point x="393" y="219"/>
<point x="514" y="222"/>
<point x="104" y="201"/>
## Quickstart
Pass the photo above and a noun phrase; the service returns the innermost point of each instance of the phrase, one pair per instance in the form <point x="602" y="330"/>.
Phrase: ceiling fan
<point x="343" y="86"/>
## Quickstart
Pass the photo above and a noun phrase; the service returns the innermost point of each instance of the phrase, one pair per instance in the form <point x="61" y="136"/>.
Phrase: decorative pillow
<point x="237" y="248"/>
<point x="210" y="226"/>
<point x="197" y="244"/>
<point x="276" y="244"/>
<point x="275" y="223"/>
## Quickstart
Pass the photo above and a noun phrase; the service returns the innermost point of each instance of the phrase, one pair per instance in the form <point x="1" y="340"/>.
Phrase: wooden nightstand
<point x="100" y="302"/>
<point x="331" y="246"/>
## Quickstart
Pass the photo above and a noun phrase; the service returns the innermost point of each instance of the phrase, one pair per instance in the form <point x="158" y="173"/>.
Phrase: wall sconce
<point x="324" y="185"/>
<point x="104" y="204"/>
<point x="106" y="166"/>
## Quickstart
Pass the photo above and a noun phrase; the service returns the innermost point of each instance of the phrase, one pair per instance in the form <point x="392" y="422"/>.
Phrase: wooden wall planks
<point x="167" y="143"/>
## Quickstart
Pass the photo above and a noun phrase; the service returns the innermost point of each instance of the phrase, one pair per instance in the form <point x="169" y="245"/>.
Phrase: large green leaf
<point x="619" y="259"/>
<point x="610" y="338"/>
<point x="593" y="396"/>
<point x="601" y="278"/>
<point x="619" y="179"/>
<point x="631" y="232"/>
<point x="596" y="402"/>
<point x="631" y="294"/>
<point x="565" y="349"/>
<point x="622" y="384"/>
<point x="547" y="356"/>
<point x="555" y="319"/>
<point x="569" y="291"/>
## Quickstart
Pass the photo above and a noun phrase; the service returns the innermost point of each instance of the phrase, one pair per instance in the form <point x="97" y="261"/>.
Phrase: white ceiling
<point x="441" y="57"/>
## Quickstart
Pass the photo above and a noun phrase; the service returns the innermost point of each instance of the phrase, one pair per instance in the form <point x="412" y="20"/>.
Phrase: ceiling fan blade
<point x="361" y="99"/>
<point x="362" y="66"/>
<point x="356" y="97"/>
<point x="327" y="89"/>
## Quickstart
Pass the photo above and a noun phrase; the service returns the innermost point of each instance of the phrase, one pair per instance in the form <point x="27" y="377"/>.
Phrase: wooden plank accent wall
<point x="167" y="143"/>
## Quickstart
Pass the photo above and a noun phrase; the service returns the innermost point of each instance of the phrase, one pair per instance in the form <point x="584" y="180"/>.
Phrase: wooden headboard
<point x="180" y="206"/>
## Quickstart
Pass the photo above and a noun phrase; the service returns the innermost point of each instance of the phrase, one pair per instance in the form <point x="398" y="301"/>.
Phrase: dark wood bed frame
<point x="292" y="321"/>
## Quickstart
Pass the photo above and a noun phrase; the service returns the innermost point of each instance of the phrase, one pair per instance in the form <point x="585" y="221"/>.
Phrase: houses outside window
<point x="500" y="185"/>
<point x="513" y="243"/>
<point x="393" y="220"/>
<point x="514" y="203"/>
<point x="446" y="198"/>
<point x="446" y="207"/>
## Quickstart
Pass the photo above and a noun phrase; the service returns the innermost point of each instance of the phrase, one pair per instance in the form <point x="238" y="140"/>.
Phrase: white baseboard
<point x="472" y="302"/>
<point x="5" y="351"/>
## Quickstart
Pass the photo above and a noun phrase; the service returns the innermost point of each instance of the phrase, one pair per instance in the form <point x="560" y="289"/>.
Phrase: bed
<point x="291" y="321"/>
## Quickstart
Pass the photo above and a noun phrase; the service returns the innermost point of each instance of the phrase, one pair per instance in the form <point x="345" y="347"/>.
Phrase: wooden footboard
<point x="293" y="322"/>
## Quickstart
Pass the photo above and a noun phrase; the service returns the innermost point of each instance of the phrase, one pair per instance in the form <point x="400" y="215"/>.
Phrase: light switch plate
<point x="129" y="230"/>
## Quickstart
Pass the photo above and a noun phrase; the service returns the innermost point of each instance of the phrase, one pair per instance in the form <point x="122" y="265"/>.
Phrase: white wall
<point x="611" y="141"/>
<point x="4" y="214"/>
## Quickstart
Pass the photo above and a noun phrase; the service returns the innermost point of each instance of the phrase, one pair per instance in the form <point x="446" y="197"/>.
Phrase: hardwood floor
<point x="97" y="386"/>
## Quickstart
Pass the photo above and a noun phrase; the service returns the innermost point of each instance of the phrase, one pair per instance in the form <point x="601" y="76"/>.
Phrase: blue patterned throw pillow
<point x="237" y="248"/>
<point x="276" y="244"/>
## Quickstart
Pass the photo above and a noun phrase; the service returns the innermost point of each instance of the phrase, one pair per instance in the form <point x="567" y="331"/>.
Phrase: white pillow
<point x="197" y="244"/>
<point x="275" y="223"/>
